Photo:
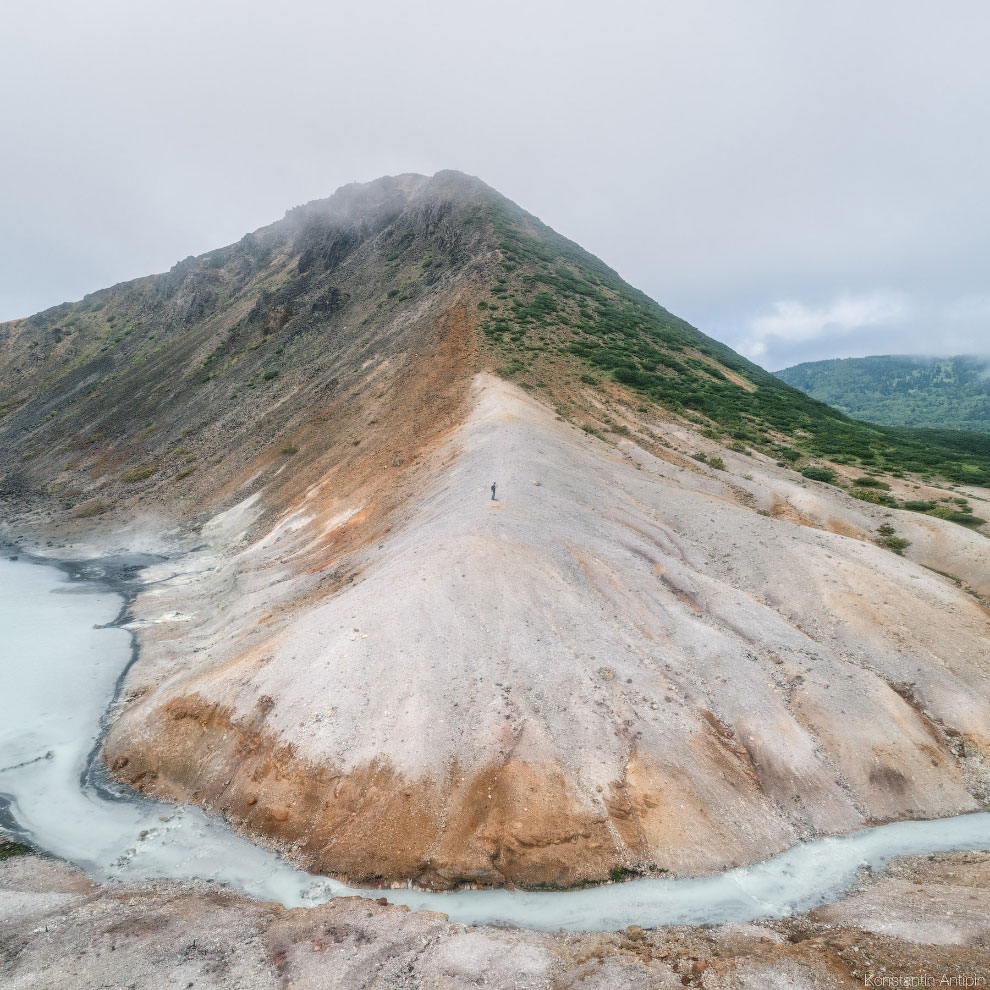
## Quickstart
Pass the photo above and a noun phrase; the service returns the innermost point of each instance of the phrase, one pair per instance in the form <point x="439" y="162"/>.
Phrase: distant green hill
<point x="902" y="390"/>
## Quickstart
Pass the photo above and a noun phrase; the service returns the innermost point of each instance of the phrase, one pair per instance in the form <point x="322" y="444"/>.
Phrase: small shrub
<point x="270" y="374"/>
<point x="819" y="474"/>
<point x="873" y="496"/>
<point x="622" y="873"/>
<point x="955" y="515"/>
<point x="717" y="463"/>
<point x="868" y="482"/>
<point x="90" y="509"/>
<point x="139" y="473"/>
<point x="184" y="473"/>
<point x="890" y="540"/>
<point x="288" y="449"/>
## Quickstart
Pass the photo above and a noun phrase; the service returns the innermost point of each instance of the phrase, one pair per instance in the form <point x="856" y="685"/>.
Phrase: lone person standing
<point x="493" y="491"/>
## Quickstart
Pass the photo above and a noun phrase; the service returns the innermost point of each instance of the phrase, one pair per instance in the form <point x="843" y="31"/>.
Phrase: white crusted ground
<point x="707" y="637"/>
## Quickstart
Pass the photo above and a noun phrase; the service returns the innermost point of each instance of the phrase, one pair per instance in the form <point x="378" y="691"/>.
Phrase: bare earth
<point x="629" y="659"/>
<point x="925" y="917"/>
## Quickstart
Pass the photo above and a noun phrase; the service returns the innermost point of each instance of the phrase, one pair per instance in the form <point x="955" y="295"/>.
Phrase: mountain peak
<point x="356" y="199"/>
<point x="360" y="650"/>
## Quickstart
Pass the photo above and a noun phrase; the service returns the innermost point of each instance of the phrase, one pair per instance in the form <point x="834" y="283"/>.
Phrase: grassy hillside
<point x="902" y="390"/>
<point x="555" y="306"/>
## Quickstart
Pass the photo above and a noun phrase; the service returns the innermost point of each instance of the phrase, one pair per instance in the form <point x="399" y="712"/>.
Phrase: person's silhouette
<point x="493" y="491"/>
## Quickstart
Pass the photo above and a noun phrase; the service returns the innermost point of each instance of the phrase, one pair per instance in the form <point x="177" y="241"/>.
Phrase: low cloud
<point x="975" y="307"/>
<point x="788" y="331"/>
<point x="789" y="322"/>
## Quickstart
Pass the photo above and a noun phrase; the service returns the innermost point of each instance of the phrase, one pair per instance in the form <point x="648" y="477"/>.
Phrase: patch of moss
<point x="9" y="849"/>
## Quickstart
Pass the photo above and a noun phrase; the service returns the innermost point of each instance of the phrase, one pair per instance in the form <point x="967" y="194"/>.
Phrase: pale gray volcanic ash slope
<point x="632" y="659"/>
<point x="615" y="664"/>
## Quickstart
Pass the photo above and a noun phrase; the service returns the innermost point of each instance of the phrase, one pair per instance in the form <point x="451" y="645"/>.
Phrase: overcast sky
<point x="801" y="180"/>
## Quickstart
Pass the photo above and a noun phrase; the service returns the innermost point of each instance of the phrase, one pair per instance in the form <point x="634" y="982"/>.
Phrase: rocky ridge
<point x="660" y="648"/>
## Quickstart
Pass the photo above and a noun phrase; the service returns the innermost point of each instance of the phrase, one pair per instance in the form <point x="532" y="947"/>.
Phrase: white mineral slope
<point x="623" y="660"/>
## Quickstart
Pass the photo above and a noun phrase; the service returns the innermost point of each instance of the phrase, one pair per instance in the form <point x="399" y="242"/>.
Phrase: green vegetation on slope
<point x="553" y="298"/>
<point x="944" y="393"/>
<point x="224" y="356"/>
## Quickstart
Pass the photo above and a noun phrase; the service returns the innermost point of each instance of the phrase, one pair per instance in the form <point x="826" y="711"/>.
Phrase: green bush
<point x="873" y="496"/>
<point x="955" y="515"/>
<point x="889" y="539"/>
<point x="819" y="474"/>
<point x="896" y="543"/>
<point x="868" y="482"/>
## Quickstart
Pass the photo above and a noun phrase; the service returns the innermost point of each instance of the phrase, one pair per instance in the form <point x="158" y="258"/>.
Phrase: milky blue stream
<point x="59" y="667"/>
